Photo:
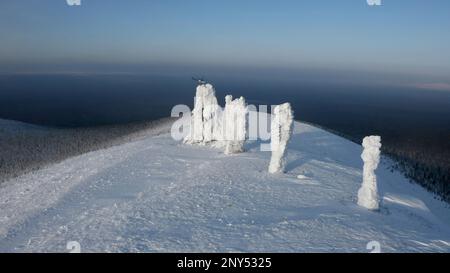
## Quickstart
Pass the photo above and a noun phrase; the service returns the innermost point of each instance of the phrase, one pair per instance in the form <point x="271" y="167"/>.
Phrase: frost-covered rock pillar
<point x="205" y="118"/>
<point x="368" y="193"/>
<point x="234" y="124"/>
<point x="281" y="131"/>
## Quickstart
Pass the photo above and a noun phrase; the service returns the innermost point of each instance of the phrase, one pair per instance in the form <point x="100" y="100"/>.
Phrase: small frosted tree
<point x="281" y="131"/>
<point x="234" y="124"/>
<point x="368" y="193"/>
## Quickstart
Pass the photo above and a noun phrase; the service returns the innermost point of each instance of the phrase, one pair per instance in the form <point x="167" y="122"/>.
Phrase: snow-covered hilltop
<point x="157" y="194"/>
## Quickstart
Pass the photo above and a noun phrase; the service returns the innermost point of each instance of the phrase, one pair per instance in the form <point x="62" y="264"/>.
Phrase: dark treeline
<point x="26" y="147"/>
<point x="429" y="171"/>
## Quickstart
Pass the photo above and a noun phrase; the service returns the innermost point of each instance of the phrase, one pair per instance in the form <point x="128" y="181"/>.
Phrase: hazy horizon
<point x="400" y="42"/>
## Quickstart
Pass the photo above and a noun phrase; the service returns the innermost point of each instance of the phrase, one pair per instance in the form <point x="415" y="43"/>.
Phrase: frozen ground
<point x="157" y="195"/>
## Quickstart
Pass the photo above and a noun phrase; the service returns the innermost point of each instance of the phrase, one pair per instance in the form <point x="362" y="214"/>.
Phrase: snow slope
<point x="157" y="195"/>
<point x="25" y="147"/>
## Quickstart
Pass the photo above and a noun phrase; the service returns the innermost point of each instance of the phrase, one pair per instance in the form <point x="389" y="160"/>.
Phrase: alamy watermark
<point x="374" y="2"/>
<point x="73" y="2"/>
<point x="258" y="125"/>
<point x="374" y="247"/>
<point x="73" y="247"/>
<point x="78" y="2"/>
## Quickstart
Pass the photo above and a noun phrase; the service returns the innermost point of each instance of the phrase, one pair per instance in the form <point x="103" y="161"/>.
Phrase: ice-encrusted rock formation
<point x="281" y="131"/>
<point x="234" y="124"/>
<point x="206" y="117"/>
<point x="368" y="193"/>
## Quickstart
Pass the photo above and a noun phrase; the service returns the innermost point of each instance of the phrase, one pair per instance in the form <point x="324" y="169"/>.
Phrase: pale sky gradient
<point x="402" y="36"/>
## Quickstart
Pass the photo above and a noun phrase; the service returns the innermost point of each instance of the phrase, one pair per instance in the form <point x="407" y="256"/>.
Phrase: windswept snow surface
<point x="157" y="195"/>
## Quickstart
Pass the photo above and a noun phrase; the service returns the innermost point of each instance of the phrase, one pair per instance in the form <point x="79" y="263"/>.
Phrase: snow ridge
<point x="157" y="195"/>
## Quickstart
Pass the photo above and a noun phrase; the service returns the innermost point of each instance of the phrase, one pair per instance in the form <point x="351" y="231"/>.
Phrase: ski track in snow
<point x="158" y="195"/>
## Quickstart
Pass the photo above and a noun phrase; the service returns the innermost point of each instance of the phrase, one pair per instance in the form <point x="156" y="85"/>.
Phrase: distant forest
<point x="430" y="171"/>
<point x="26" y="147"/>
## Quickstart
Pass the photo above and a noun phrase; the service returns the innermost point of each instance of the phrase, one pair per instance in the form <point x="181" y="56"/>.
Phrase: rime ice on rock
<point x="368" y="193"/>
<point x="206" y="116"/>
<point x="281" y="131"/>
<point x="234" y="124"/>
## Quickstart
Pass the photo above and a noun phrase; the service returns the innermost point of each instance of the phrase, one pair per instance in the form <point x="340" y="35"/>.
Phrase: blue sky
<point x="402" y="36"/>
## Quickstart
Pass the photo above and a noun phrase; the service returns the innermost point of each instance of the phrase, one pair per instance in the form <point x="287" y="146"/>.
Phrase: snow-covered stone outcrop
<point x="281" y="131"/>
<point x="206" y="117"/>
<point x="368" y="193"/>
<point x="234" y="124"/>
<point x="223" y="128"/>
